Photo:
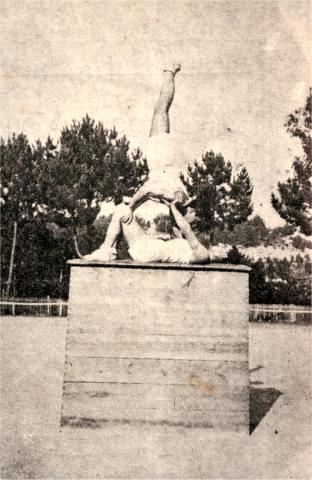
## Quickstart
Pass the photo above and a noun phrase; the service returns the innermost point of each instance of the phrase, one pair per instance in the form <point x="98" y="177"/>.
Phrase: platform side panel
<point x="157" y="345"/>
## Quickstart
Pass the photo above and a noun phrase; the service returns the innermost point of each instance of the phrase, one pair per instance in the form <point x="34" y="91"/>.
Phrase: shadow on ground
<point x="260" y="402"/>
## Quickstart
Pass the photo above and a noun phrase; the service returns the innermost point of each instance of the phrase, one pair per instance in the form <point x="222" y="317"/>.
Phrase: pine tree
<point x="294" y="203"/>
<point x="93" y="164"/>
<point x="18" y="196"/>
<point x="219" y="200"/>
<point x="241" y="194"/>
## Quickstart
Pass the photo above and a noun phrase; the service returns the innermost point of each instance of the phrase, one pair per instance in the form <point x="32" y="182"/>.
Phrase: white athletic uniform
<point x="165" y="161"/>
<point x="149" y="250"/>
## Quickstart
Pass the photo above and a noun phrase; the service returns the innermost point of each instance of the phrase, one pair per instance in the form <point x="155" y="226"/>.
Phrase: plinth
<point x="157" y="344"/>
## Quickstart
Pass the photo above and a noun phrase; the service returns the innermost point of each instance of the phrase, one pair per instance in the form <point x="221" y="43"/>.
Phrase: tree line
<point x="51" y="194"/>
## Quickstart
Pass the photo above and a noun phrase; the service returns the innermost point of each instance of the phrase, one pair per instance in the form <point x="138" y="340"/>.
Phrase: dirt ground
<point x="33" y="446"/>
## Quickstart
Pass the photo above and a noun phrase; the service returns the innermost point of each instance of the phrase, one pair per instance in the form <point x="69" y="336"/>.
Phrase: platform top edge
<point x="160" y="266"/>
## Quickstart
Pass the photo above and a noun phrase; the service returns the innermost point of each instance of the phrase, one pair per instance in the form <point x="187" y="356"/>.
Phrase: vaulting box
<point x="157" y="344"/>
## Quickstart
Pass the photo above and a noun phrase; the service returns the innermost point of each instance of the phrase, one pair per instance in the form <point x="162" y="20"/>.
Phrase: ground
<point x="35" y="447"/>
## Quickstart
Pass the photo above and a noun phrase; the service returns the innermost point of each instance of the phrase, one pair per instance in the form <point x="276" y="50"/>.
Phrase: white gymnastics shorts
<point x="150" y="250"/>
<point x="163" y="151"/>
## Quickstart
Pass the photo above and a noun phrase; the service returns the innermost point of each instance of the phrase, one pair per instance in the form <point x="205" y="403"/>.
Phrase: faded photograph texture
<point x="156" y="222"/>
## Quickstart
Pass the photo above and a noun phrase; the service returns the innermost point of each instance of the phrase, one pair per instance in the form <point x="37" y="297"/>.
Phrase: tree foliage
<point x="241" y="206"/>
<point x="221" y="200"/>
<point x="92" y="165"/>
<point x="41" y="268"/>
<point x="18" y="179"/>
<point x="251" y="233"/>
<point x="18" y="196"/>
<point x="294" y="203"/>
<point x="274" y="281"/>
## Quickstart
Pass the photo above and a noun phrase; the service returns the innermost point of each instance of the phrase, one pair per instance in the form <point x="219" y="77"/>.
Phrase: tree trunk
<point x="76" y="247"/>
<point x="12" y="260"/>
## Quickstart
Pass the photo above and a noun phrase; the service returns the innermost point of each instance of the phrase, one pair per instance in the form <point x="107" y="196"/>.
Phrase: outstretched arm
<point x="200" y="253"/>
<point x="184" y="226"/>
<point x="138" y="198"/>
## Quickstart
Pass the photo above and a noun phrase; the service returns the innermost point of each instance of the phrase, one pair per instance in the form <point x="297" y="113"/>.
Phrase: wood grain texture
<point x="160" y="320"/>
<point x="155" y="371"/>
<point x="157" y="346"/>
<point x="87" y="324"/>
<point x="87" y="399"/>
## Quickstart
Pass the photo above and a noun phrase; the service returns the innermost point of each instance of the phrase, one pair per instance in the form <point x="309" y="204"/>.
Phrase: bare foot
<point x="173" y="68"/>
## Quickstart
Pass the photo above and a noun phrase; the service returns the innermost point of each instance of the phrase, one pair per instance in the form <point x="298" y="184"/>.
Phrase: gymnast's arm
<point x="148" y="191"/>
<point x="200" y="253"/>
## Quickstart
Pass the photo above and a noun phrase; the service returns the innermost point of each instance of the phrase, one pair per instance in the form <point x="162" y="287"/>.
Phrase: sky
<point x="245" y="66"/>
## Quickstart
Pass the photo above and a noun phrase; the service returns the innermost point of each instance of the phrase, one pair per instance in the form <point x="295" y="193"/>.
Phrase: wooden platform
<point x="158" y="344"/>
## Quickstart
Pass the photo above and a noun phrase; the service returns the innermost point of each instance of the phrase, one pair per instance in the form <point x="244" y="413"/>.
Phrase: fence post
<point x="13" y="308"/>
<point x="48" y="298"/>
<point x="60" y="309"/>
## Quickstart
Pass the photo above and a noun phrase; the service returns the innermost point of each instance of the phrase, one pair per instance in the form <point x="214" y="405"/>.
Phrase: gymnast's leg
<point x="160" y="121"/>
<point x="107" y="250"/>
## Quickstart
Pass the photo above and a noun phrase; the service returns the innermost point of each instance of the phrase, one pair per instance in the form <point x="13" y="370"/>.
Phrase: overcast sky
<point x="245" y="66"/>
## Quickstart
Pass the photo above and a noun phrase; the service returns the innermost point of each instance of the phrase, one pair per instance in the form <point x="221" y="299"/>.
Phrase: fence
<point x="280" y="314"/>
<point x="42" y="307"/>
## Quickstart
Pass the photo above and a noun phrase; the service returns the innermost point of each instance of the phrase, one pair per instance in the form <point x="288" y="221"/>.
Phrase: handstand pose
<point x="163" y="156"/>
<point x="162" y="185"/>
